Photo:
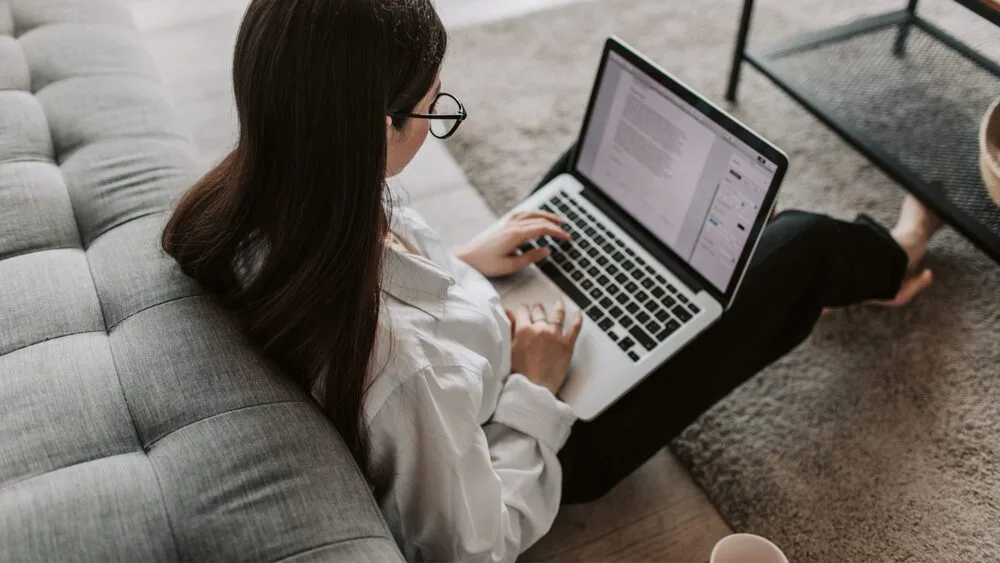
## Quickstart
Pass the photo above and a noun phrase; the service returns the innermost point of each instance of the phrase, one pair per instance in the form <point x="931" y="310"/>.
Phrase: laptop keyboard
<point x="622" y="294"/>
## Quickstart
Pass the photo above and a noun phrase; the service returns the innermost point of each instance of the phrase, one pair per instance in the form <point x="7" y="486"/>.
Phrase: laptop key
<point x="566" y="285"/>
<point x="661" y="280"/>
<point x="616" y="312"/>
<point x="606" y="303"/>
<point x="694" y="308"/>
<point x="626" y="322"/>
<point x="618" y="257"/>
<point x="622" y="278"/>
<point x="630" y="252"/>
<point x="626" y="343"/>
<point x="671" y="289"/>
<point x="592" y="252"/>
<point x="652" y="306"/>
<point x="642" y="338"/>
<point x="669" y="301"/>
<point x="595" y="314"/>
<point x="630" y="286"/>
<point x="577" y="275"/>
<point x="586" y="284"/>
<point x="633" y="356"/>
<point x="628" y="265"/>
<point x="662" y="315"/>
<point x="584" y="261"/>
<point x="589" y="231"/>
<point x="592" y="271"/>
<point x="613" y="336"/>
<point x="603" y="280"/>
<point x="613" y="289"/>
<point x="668" y="329"/>
<point x="595" y="293"/>
<point x="642" y="318"/>
<point x="631" y="307"/>
<point x="622" y="297"/>
<point x="612" y="269"/>
<point x="606" y="324"/>
<point x="657" y="292"/>
<point x="639" y="275"/>
<point x="602" y="260"/>
<point x="682" y="299"/>
<point x="653" y="327"/>
<point x="641" y="297"/>
<point x="682" y="314"/>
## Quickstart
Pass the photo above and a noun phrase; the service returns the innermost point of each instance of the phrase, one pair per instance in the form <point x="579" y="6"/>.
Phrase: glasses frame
<point x="457" y="117"/>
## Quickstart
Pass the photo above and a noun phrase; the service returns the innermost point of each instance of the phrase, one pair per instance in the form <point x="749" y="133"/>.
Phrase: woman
<point x="448" y="401"/>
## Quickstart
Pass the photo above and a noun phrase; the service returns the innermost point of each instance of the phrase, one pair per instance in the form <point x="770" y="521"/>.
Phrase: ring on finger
<point x="538" y="315"/>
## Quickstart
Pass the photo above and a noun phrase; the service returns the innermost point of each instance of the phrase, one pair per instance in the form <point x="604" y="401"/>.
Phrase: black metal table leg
<point x="904" y="30"/>
<point x="741" y="43"/>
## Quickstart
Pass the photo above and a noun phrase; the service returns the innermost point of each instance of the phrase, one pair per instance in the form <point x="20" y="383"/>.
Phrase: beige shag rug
<point x="878" y="439"/>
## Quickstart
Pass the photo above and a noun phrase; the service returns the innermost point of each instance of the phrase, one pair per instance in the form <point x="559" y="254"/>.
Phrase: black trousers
<point x="804" y="262"/>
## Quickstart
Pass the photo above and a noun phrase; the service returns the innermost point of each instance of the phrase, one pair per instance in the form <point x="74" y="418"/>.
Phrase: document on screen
<point x="652" y="159"/>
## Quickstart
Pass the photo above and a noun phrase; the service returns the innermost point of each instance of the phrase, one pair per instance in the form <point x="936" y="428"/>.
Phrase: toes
<point x="911" y="287"/>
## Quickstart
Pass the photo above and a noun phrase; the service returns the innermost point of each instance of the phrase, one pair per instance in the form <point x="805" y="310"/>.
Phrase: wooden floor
<point x="657" y="514"/>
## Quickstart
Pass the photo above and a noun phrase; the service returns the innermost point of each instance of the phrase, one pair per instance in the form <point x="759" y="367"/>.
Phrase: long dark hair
<point x="288" y="230"/>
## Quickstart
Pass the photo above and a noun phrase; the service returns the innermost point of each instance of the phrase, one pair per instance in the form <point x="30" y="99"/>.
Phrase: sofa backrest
<point x="136" y="422"/>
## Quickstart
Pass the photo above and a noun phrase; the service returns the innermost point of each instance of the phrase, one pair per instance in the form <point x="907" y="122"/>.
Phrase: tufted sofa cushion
<point x="136" y="423"/>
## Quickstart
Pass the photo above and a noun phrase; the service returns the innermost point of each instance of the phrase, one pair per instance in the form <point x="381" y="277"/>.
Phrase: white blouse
<point x="463" y="452"/>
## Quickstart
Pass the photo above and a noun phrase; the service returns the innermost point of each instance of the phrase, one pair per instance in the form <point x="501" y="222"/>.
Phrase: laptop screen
<point x="683" y="177"/>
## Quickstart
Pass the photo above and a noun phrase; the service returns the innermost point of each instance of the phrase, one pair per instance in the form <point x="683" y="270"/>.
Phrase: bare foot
<point x="914" y="229"/>
<point x="913" y="232"/>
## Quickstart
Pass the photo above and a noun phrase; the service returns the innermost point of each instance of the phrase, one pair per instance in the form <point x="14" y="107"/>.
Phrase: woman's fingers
<point x="558" y="313"/>
<point x="518" y="263"/>
<point x="538" y="214"/>
<point x="575" y="328"/>
<point x="523" y="315"/>
<point x="536" y="229"/>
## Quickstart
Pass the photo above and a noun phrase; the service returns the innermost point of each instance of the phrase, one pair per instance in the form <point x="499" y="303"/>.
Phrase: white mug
<point x="746" y="548"/>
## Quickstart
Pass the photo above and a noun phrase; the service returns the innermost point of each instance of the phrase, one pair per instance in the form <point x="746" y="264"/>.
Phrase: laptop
<point x="666" y="200"/>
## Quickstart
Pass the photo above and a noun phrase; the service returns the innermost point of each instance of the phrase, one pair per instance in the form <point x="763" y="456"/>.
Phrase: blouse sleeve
<point x="456" y="490"/>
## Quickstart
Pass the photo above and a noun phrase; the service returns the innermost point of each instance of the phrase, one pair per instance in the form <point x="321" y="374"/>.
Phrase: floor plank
<point x="657" y="514"/>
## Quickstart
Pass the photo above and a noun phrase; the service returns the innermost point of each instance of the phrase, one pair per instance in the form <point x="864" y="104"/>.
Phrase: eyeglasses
<point x="447" y="113"/>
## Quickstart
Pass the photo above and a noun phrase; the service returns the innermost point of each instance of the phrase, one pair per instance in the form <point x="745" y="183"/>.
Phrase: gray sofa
<point x="136" y="423"/>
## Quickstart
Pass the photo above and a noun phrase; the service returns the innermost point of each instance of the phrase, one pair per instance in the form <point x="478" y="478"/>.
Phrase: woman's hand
<point x="541" y="351"/>
<point x="496" y="254"/>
